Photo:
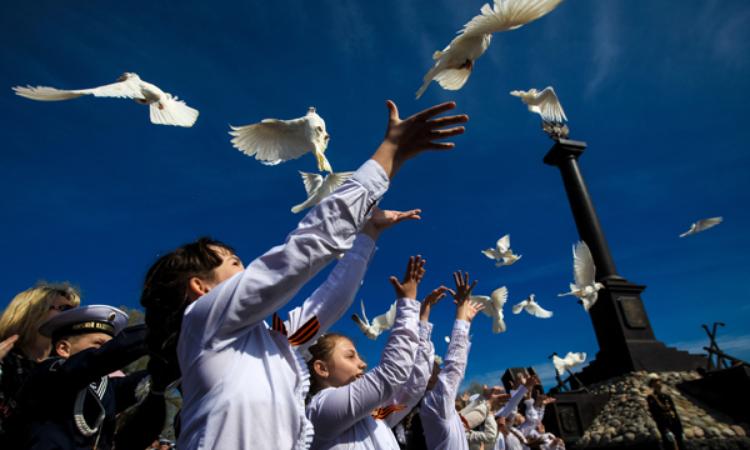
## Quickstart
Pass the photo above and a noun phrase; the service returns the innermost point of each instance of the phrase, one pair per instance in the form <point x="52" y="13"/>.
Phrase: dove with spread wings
<point x="571" y="360"/>
<point x="318" y="187"/>
<point x="454" y="64"/>
<point x="532" y="307"/>
<point x="502" y="254"/>
<point x="164" y="109"/>
<point x="379" y="324"/>
<point x="547" y="105"/>
<point x="586" y="288"/>
<point x="493" y="307"/>
<point x="702" y="225"/>
<point x="273" y="141"/>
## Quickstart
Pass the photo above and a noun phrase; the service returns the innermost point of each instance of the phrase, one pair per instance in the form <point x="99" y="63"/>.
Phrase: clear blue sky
<point x="92" y="192"/>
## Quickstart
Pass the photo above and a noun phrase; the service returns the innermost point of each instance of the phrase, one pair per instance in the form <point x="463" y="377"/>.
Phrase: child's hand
<point x="468" y="310"/>
<point x="382" y="219"/>
<point x="406" y="138"/>
<point x="413" y="276"/>
<point x="431" y="299"/>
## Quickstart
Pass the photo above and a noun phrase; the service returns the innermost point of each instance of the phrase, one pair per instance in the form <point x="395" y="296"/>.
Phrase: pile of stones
<point x="625" y="420"/>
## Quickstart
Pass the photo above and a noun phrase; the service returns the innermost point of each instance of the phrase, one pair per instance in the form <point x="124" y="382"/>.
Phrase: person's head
<point x="177" y="279"/>
<point x="334" y="363"/>
<point x="655" y="384"/>
<point x="518" y="420"/>
<point x="80" y="329"/>
<point x="30" y="309"/>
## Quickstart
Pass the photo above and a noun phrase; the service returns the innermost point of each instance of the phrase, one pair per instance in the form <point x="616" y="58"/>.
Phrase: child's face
<point x="344" y="365"/>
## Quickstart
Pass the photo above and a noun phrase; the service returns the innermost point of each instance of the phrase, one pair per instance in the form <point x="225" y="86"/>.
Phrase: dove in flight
<point x="164" y="109"/>
<point x="571" y="360"/>
<point x="702" y="225"/>
<point x="273" y="141"/>
<point x="502" y="254"/>
<point x="318" y="187"/>
<point x="586" y="288"/>
<point x="454" y="64"/>
<point x="493" y="307"/>
<point x="544" y="103"/>
<point x="532" y="307"/>
<point x="379" y="324"/>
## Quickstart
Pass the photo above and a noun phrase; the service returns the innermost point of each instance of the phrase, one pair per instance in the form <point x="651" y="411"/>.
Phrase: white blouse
<point x="244" y="384"/>
<point x="442" y="425"/>
<point x="343" y="416"/>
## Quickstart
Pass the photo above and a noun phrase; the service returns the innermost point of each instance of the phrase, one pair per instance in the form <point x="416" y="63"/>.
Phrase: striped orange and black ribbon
<point x="382" y="413"/>
<point x="303" y="333"/>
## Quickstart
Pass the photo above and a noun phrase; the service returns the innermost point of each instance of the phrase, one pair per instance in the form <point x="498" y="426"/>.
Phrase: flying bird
<point x="454" y="64"/>
<point x="379" y="324"/>
<point x="532" y="307"/>
<point x="546" y="104"/>
<point x="502" y="254"/>
<point x="273" y="141"/>
<point x="318" y="187"/>
<point x="164" y="109"/>
<point x="571" y="360"/>
<point x="586" y="288"/>
<point x="702" y="225"/>
<point x="493" y="307"/>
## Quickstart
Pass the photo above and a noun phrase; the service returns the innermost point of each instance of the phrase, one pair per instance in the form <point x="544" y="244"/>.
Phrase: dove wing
<point x="385" y="321"/>
<point x="272" y="141"/>
<point x="499" y="297"/>
<point x="507" y="15"/>
<point x="705" y="224"/>
<point x="573" y="359"/>
<point x="559" y="364"/>
<point x="334" y="180"/>
<point x="518" y="307"/>
<point x="172" y="111"/>
<point x="312" y="182"/>
<point x="128" y="88"/>
<point x="484" y="301"/>
<point x="503" y="244"/>
<point x="584" y="269"/>
<point x="550" y="107"/>
<point x="491" y="253"/>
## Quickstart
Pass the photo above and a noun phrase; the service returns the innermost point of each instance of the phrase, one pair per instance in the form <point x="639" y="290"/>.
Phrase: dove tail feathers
<point x="172" y="112"/>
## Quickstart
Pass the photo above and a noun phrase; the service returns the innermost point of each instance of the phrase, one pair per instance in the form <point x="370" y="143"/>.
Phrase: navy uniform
<point x="72" y="403"/>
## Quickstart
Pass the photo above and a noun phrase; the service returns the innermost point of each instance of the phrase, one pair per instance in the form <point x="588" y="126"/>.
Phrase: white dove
<point x="447" y="339"/>
<point x="544" y="103"/>
<point x="532" y="307"/>
<point x="273" y="141"/>
<point x="585" y="287"/>
<point x="379" y="324"/>
<point x="702" y="225"/>
<point x="571" y="360"/>
<point x="318" y="187"/>
<point x="502" y="254"/>
<point x="493" y="307"/>
<point x="453" y="65"/>
<point x="164" y="109"/>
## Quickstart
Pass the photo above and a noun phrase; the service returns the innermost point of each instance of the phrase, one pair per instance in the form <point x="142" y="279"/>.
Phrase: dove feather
<point x="507" y="15"/>
<point x="272" y="140"/>
<point x="584" y="270"/>
<point x="172" y="111"/>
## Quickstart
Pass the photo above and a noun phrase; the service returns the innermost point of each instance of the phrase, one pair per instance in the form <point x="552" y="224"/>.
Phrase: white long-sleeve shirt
<point x="414" y="389"/>
<point x="534" y="416"/>
<point x="244" y="384"/>
<point x="511" y="407"/>
<point x="443" y="428"/>
<point x="342" y="416"/>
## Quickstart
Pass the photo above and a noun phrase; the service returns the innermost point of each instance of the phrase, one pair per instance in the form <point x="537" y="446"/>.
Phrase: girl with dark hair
<point x="244" y="383"/>
<point x="347" y="408"/>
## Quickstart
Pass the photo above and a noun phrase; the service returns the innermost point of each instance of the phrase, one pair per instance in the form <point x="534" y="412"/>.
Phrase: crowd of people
<point x="250" y="379"/>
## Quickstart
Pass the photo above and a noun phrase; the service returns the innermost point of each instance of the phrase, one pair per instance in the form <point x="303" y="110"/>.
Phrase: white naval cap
<point x="85" y="319"/>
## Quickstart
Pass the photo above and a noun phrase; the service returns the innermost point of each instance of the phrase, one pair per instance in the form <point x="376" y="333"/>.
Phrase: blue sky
<point x="92" y="192"/>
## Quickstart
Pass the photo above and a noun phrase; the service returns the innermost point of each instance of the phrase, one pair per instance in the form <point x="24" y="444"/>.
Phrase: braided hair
<point x="165" y="292"/>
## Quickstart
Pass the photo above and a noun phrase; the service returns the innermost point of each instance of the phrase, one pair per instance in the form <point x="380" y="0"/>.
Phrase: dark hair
<point x="321" y="350"/>
<point x="165" y="292"/>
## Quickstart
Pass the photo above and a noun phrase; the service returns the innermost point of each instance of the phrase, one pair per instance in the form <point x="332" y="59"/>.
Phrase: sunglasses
<point x="61" y="308"/>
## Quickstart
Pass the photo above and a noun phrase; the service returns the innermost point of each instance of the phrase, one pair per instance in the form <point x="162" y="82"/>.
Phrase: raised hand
<point x="7" y="345"/>
<point x="406" y="138"/>
<point x="386" y="218"/>
<point x="407" y="288"/>
<point x="431" y="299"/>
<point x="463" y="288"/>
<point x="468" y="310"/>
